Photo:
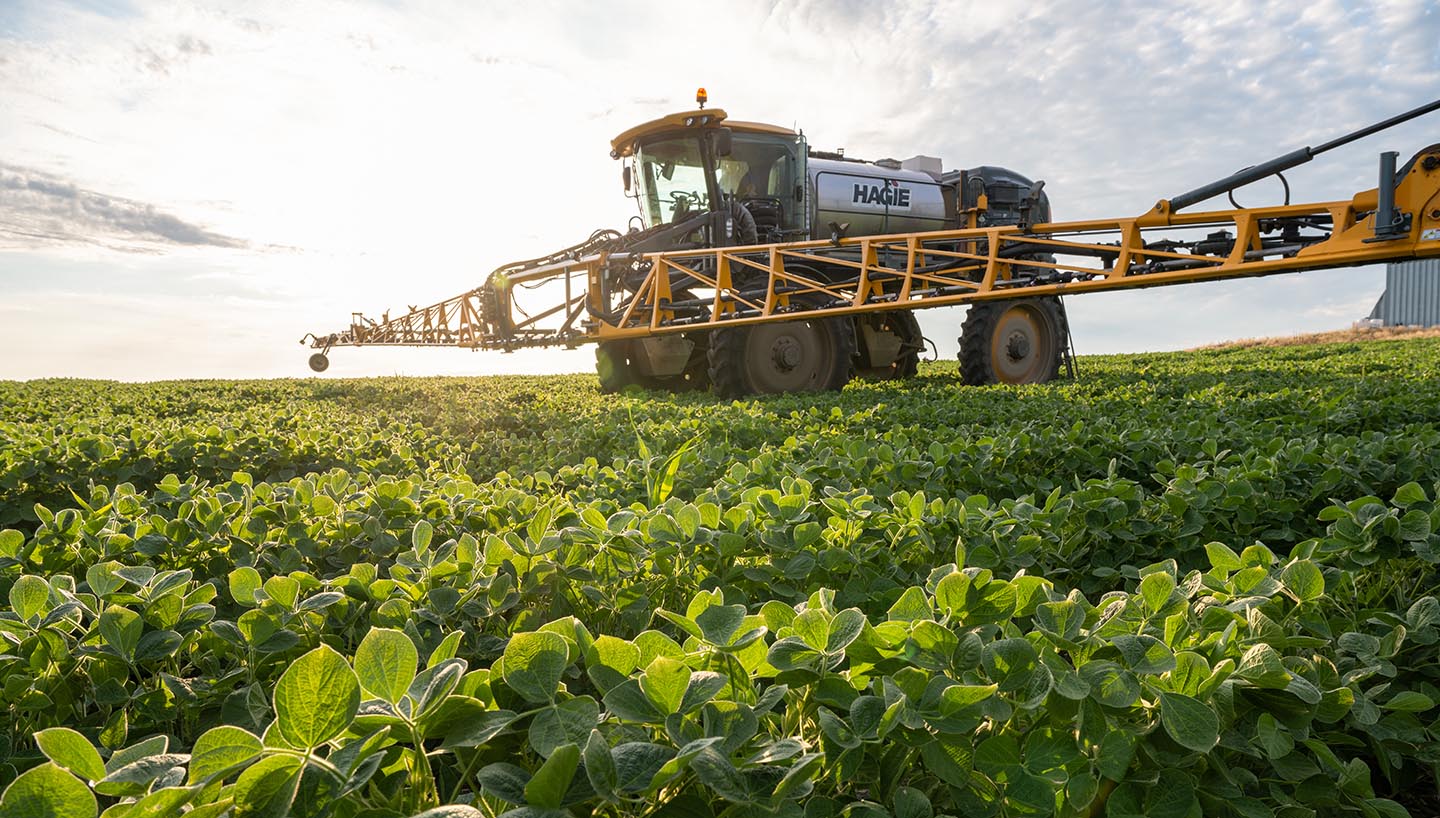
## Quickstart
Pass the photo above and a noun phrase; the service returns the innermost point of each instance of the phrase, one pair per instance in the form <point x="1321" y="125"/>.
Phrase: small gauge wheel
<point x="319" y="362"/>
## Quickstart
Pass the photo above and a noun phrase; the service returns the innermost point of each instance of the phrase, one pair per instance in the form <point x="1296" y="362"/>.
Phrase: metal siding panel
<point x="1402" y="297"/>
<point x="1412" y="294"/>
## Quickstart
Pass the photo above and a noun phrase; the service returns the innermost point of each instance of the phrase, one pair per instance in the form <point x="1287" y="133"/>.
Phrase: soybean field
<point x="1183" y="585"/>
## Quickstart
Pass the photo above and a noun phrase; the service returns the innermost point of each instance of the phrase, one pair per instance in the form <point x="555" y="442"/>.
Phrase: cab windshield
<point x="672" y="180"/>
<point x="672" y="183"/>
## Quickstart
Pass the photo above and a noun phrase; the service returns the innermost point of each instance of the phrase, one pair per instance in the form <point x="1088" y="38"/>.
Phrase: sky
<point x="188" y="188"/>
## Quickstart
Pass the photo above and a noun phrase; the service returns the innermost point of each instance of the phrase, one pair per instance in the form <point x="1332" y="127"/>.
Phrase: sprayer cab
<point x="748" y="176"/>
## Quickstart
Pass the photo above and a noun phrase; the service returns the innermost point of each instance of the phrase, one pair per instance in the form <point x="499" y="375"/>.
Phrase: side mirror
<point x="625" y="177"/>
<point x="722" y="141"/>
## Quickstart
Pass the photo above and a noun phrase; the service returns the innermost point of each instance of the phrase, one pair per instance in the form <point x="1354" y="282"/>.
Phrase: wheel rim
<point x="1023" y="345"/>
<point x="795" y="356"/>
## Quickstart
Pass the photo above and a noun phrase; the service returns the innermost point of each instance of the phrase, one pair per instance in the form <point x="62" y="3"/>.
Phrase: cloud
<point x="41" y="210"/>
<point x="173" y="55"/>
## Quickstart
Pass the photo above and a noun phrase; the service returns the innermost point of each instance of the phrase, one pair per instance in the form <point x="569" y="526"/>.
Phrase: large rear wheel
<point x="808" y="355"/>
<point x="1015" y="342"/>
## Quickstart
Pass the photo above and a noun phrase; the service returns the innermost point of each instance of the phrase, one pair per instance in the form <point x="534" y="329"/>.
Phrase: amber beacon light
<point x="701" y="97"/>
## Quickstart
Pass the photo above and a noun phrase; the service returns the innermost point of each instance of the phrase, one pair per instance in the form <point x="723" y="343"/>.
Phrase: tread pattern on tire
<point x="727" y="358"/>
<point x="977" y="333"/>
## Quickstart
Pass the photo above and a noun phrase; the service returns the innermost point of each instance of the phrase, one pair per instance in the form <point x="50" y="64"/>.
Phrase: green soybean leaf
<point x="912" y="605"/>
<point x="475" y="727"/>
<point x="717" y="773"/>
<point x="1155" y="590"/>
<point x="702" y="687"/>
<point x="47" y="791"/>
<point x="221" y="748"/>
<point x="267" y="788"/>
<point x="1145" y="654"/>
<point x="637" y="763"/>
<point x="547" y="787"/>
<point x="791" y="653"/>
<point x="600" y="765"/>
<point x="836" y="729"/>
<point x="1273" y="738"/>
<point x="609" y="661"/>
<point x="912" y="803"/>
<point x="1304" y="580"/>
<point x="664" y="682"/>
<point x="116" y="730"/>
<point x="504" y="781"/>
<point x="121" y="629"/>
<point x="30" y="596"/>
<point x="1408" y="495"/>
<point x="569" y="722"/>
<point x="844" y="629"/>
<point x="316" y="698"/>
<point x="950" y="759"/>
<point x="1409" y="701"/>
<point x="244" y="582"/>
<point x="627" y="702"/>
<point x="283" y="590"/>
<point x="135" y="778"/>
<point x="1222" y="557"/>
<point x="1173" y="796"/>
<point x="1029" y="794"/>
<point x="71" y="751"/>
<point x="447" y="649"/>
<point x="433" y="685"/>
<point x="422" y="534"/>
<point x="385" y="663"/>
<point x="534" y="662"/>
<point x="1117" y="751"/>
<point x="957" y="697"/>
<point x="11" y="542"/>
<point x="155" y="745"/>
<point x="1010" y="662"/>
<point x="798" y="781"/>
<point x="719" y="622"/>
<point x="1190" y="722"/>
<point x="321" y="601"/>
<point x="102" y="579"/>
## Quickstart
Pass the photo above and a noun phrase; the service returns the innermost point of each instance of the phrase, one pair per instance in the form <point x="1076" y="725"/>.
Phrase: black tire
<point x="1014" y="342"/>
<point x="319" y="362"/>
<point x="904" y="324"/>
<point x="805" y="355"/>
<point x="612" y="364"/>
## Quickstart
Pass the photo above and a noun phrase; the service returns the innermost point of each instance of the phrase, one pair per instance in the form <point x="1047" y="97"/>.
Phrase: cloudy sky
<point x="187" y="188"/>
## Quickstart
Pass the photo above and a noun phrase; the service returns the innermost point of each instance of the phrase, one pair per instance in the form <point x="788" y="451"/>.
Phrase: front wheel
<point x="808" y="355"/>
<point x="319" y="362"/>
<point x="1015" y="342"/>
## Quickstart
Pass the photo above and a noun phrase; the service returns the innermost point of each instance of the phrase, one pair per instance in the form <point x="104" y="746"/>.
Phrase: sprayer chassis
<point x="597" y="297"/>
